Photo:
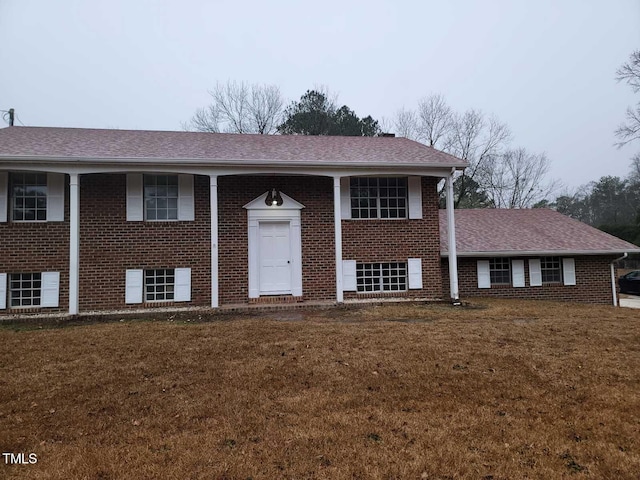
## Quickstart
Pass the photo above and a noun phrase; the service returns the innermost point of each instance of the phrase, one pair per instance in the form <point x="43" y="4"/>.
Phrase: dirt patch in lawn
<point x="511" y="390"/>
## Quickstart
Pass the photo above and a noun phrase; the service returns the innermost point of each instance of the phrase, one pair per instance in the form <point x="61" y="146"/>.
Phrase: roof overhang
<point x="539" y="253"/>
<point x="235" y="163"/>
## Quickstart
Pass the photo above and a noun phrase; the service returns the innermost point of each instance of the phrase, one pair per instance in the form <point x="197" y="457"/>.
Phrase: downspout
<point x="613" y="278"/>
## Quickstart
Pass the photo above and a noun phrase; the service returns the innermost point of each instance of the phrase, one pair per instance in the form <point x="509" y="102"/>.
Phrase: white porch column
<point x="453" y="254"/>
<point x="74" y="243"/>
<point x="337" y="221"/>
<point x="214" y="240"/>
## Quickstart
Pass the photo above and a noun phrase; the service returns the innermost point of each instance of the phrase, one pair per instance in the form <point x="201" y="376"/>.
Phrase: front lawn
<point x="509" y="389"/>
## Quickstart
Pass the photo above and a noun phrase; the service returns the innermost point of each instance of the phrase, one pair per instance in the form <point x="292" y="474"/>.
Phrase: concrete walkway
<point x="629" y="301"/>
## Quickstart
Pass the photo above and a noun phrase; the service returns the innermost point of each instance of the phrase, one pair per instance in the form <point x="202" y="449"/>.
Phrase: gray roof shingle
<point x="538" y="230"/>
<point x="80" y="143"/>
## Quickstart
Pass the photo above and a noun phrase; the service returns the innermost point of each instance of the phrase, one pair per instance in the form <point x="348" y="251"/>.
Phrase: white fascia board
<point x="535" y="253"/>
<point x="233" y="163"/>
<point x="220" y="171"/>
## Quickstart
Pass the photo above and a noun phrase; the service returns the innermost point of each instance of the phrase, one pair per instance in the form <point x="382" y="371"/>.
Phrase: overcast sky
<point x="544" y="67"/>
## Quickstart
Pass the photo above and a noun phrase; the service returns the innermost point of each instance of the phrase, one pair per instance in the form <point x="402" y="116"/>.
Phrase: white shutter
<point x="133" y="286"/>
<point x="50" y="289"/>
<point x="185" y="198"/>
<point x="4" y="196"/>
<point x="183" y="285"/>
<point x="345" y="198"/>
<point x="517" y="273"/>
<point x="535" y="272"/>
<point x="349" y="280"/>
<point x="135" y="198"/>
<point x="414" y="270"/>
<point x="484" y="277"/>
<point x="3" y="291"/>
<point x="569" y="271"/>
<point x="415" y="197"/>
<point x="55" y="197"/>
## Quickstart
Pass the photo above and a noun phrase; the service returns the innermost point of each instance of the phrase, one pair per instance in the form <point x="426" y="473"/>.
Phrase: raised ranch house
<point x="99" y="220"/>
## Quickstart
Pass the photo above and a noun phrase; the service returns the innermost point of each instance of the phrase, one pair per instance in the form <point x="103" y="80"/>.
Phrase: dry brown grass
<point x="509" y="390"/>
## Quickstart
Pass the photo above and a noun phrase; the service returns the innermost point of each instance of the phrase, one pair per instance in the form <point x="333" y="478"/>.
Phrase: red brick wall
<point x="33" y="247"/>
<point x="593" y="282"/>
<point x="398" y="240"/>
<point x="109" y="245"/>
<point x="318" y="246"/>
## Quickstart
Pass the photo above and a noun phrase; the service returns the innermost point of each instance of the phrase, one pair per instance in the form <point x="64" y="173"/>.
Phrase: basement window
<point x="381" y="277"/>
<point x="25" y="289"/>
<point x="373" y="197"/>
<point x="159" y="285"/>
<point x="551" y="269"/>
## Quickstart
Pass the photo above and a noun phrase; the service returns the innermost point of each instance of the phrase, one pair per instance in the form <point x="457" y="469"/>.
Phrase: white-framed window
<point x="161" y="197"/>
<point x="28" y="197"/>
<point x="25" y="290"/>
<point x="159" y="285"/>
<point x="381" y="277"/>
<point x="551" y="269"/>
<point x="373" y="197"/>
<point x="500" y="271"/>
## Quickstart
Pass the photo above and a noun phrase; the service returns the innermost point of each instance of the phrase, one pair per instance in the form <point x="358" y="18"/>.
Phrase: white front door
<point x="275" y="258"/>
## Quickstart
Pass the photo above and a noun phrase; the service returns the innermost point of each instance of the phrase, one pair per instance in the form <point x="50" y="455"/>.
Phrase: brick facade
<point x="318" y="246"/>
<point x="593" y="282"/>
<point x="398" y="240"/>
<point x="109" y="244"/>
<point x="34" y="247"/>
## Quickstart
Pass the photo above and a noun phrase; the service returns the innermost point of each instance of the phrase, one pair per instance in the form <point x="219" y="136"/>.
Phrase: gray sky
<point x="544" y="67"/>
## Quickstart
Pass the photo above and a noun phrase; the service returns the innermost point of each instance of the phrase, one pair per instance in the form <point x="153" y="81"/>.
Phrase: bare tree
<point x="517" y="179"/>
<point x="480" y="141"/>
<point x="436" y="120"/>
<point x="629" y="72"/>
<point x="406" y="125"/>
<point x="240" y="108"/>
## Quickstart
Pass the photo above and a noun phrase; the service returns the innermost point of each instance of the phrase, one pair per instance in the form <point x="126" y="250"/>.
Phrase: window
<point x="381" y="277"/>
<point x="500" y="271"/>
<point x="161" y="197"/>
<point x="378" y="197"/>
<point x="25" y="289"/>
<point x="551" y="270"/>
<point x="159" y="285"/>
<point x="28" y="197"/>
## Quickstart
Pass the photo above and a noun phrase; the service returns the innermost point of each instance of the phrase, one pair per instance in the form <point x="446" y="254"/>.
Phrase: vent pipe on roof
<point x="388" y="135"/>
<point x="12" y="114"/>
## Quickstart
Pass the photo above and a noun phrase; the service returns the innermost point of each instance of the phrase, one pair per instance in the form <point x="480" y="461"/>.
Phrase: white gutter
<point x="531" y="253"/>
<point x="613" y="279"/>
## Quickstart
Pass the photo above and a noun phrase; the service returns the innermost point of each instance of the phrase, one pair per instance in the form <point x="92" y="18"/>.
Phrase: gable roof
<point x="32" y="143"/>
<point x="538" y="231"/>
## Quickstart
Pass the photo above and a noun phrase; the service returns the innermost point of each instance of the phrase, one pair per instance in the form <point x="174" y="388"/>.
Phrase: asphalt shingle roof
<point x="80" y="143"/>
<point x="538" y="230"/>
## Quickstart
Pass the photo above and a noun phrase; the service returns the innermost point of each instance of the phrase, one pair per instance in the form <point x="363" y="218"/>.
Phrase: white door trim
<point x="288" y="212"/>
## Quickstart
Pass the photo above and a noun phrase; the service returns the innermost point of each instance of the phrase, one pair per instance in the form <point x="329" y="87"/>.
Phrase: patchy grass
<point x="509" y="389"/>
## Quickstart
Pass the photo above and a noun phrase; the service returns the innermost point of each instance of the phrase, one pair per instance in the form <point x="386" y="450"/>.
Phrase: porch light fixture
<point x="273" y="198"/>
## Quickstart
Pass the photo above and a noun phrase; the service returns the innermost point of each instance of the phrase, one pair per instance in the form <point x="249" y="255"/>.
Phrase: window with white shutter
<point x="484" y="274"/>
<point x="535" y="272"/>
<point x="569" y="271"/>
<point x="349" y="282"/>
<point x="414" y="265"/>
<point x="4" y="196"/>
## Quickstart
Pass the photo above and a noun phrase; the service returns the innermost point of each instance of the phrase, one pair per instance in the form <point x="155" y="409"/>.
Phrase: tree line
<point x="500" y="175"/>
